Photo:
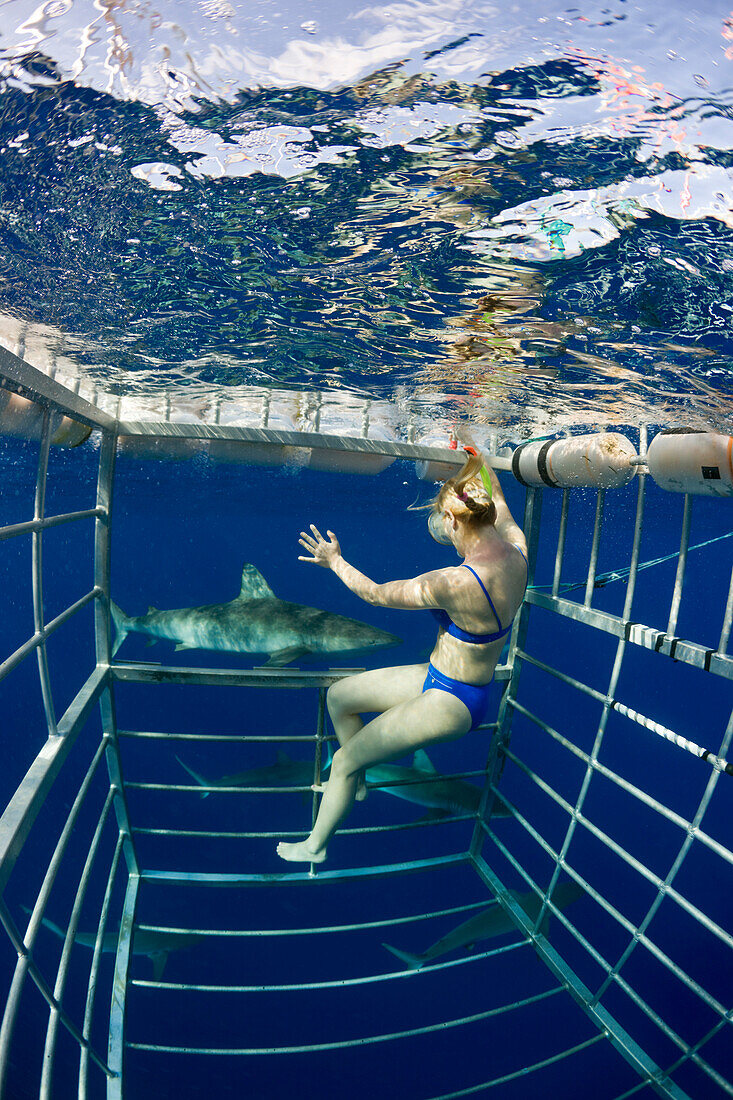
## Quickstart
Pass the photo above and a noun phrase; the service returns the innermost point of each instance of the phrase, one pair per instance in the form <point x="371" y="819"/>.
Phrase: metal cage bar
<point x="37" y="574"/>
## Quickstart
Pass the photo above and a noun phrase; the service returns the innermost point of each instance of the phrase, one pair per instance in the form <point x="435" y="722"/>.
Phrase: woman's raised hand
<point x="322" y="552"/>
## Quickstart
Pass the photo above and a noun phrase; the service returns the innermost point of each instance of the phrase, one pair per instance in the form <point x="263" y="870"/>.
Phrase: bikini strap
<point x="483" y="589"/>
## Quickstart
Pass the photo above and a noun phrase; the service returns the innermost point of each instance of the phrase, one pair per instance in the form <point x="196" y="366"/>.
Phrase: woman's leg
<point x="431" y="717"/>
<point x="377" y="690"/>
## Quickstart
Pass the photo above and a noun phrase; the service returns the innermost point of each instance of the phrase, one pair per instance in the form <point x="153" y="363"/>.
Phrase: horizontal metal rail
<point x="281" y="834"/>
<point x="630" y="788"/>
<point x="244" y="738"/>
<point x="323" y="930"/>
<point x="33" y="525"/>
<point x="241" y="738"/>
<point x="423" y="780"/>
<point x="524" y="1071"/>
<point x="21" y="811"/>
<point x="366" y="1040"/>
<point x="164" y="429"/>
<point x="646" y="636"/>
<point x="42" y="635"/>
<point x="336" y="983"/>
<point x="346" y="874"/>
<point x="33" y="384"/>
<point x="149" y="673"/>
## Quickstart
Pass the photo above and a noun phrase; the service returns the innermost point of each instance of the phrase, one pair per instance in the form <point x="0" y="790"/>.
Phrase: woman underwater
<point x="417" y="705"/>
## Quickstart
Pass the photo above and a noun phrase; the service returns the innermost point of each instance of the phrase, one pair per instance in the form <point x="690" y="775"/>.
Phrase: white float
<point x="24" y="419"/>
<point x="601" y="461"/>
<point x="688" y="461"/>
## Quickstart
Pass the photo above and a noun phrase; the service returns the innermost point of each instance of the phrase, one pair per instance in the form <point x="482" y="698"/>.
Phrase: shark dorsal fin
<point x="254" y="585"/>
<point x="423" y="763"/>
<point x="282" y="757"/>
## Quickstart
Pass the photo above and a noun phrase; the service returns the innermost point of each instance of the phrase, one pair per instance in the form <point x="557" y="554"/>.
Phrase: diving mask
<point x="437" y="528"/>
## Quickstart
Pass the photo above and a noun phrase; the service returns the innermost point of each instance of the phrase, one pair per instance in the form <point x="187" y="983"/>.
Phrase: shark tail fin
<point x="412" y="962"/>
<point x="121" y="621"/>
<point x="195" y="775"/>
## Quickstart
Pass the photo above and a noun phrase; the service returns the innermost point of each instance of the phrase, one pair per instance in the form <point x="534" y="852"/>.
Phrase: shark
<point x="156" y="945"/>
<point x="256" y="621"/>
<point x="422" y="784"/>
<point x="285" y="772"/>
<point x="490" y="922"/>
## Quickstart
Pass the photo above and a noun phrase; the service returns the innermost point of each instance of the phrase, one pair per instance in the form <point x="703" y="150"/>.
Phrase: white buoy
<point x="24" y="419"/>
<point x="436" y="469"/>
<point x="601" y="461"/>
<point x="689" y="461"/>
<point x="352" y="462"/>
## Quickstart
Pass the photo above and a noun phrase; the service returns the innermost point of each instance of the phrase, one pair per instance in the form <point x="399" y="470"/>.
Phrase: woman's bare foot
<point x="299" y="852"/>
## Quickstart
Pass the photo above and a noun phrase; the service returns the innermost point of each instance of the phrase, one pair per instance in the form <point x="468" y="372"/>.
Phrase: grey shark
<point x="256" y="621"/>
<point x="283" y="773"/>
<point x="427" y="788"/>
<point x="493" y="921"/>
<point x="156" y="945"/>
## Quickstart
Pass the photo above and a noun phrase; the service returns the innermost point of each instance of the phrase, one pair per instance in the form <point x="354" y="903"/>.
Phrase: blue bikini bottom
<point x="474" y="696"/>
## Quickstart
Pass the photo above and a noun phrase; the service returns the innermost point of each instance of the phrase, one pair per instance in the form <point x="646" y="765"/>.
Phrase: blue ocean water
<point x="519" y="219"/>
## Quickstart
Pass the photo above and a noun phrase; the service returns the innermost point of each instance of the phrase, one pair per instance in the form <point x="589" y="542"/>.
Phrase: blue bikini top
<point x="450" y="627"/>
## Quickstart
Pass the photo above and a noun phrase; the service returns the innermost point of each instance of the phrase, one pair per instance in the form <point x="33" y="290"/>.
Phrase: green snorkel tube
<point x="483" y="473"/>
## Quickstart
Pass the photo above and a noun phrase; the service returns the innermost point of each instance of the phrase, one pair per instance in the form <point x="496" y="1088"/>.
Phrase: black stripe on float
<point x="708" y="654"/>
<point x="542" y="463"/>
<point x="515" y="465"/>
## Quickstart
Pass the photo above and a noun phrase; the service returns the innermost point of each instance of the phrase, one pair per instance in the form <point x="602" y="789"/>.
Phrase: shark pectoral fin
<point x="412" y="962"/>
<point x="159" y="959"/>
<point x="285" y="656"/>
<point x="423" y="763"/>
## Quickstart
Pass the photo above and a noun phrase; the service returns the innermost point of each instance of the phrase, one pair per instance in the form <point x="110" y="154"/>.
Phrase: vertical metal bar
<point x="727" y="619"/>
<point x="496" y="759"/>
<point x="672" y="873"/>
<point x="102" y="533"/>
<point x="593" y="563"/>
<point x="320" y="727"/>
<point x="681" y="564"/>
<point x="37" y="573"/>
<point x="115" y="1055"/>
<point x="102" y="554"/>
<point x="636" y="546"/>
<point x="561" y="541"/>
<point x="63" y="967"/>
<point x="590" y="768"/>
<point x="94" y="969"/>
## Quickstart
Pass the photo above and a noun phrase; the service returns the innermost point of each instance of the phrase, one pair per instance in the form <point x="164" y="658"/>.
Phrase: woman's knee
<point x="337" y="700"/>
<point x="342" y="766"/>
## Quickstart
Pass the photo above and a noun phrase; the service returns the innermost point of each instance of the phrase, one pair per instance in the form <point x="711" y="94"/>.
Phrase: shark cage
<point x="590" y="879"/>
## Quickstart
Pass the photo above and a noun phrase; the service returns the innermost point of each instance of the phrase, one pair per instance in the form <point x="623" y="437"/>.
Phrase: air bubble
<point x="310" y="26"/>
<point x="701" y="81"/>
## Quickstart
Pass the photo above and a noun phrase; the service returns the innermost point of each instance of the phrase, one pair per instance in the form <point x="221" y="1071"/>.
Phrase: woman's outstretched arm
<point x="414" y="594"/>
